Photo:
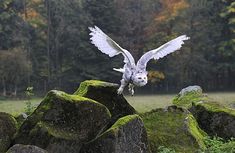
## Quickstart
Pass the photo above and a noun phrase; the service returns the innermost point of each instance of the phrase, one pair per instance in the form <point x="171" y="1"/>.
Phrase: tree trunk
<point x="48" y="40"/>
<point x="25" y="10"/>
<point x="4" y="93"/>
<point x="15" y="90"/>
<point x="45" y="86"/>
<point x="167" y="86"/>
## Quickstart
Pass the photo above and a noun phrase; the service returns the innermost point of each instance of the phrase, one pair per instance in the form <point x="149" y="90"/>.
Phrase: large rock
<point x="8" y="127"/>
<point x="215" y="119"/>
<point x="189" y="95"/>
<point x="19" y="148"/>
<point x="191" y="89"/>
<point x="62" y="122"/>
<point x="173" y="127"/>
<point x="127" y="135"/>
<point x="106" y="94"/>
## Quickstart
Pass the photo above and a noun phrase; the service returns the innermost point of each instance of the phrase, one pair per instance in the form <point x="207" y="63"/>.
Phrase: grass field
<point x="142" y="103"/>
<point x="16" y="107"/>
<point x="149" y="102"/>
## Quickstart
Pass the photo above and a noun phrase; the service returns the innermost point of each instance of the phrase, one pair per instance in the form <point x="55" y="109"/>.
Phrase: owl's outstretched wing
<point x="106" y="45"/>
<point x="162" y="51"/>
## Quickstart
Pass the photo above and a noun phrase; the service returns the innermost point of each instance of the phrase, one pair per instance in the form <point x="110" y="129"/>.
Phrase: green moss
<point x="55" y="95"/>
<point x="58" y="113"/>
<point x="216" y="107"/>
<point x="58" y="133"/>
<point x="51" y="131"/>
<point x="124" y="120"/>
<point x="8" y="127"/>
<point x="195" y="131"/>
<point x="175" y="129"/>
<point x="189" y="98"/>
<point x="119" y="123"/>
<point x="194" y="99"/>
<point x="84" y="86"/>
<point x="214" y="118"/>
<point x="59" y="129"/>
<point x="73" y="98"/>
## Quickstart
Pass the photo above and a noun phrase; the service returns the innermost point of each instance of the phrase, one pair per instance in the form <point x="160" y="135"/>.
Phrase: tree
<point x="13" y="68"/>
<point x="226" y="52"/>
<point x="194" y="65"/>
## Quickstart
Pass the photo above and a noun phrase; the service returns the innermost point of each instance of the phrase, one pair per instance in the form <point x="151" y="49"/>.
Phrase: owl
<point x="134" y="74"/>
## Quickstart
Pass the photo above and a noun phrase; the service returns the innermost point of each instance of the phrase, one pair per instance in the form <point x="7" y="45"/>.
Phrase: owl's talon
<point x="119" y="91"/>
<point x="131" y="89"/>
<point x="132" y="92"/>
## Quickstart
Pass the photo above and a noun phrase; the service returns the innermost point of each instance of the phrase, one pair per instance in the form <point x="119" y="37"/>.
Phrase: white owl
<point x="133" y="74"/>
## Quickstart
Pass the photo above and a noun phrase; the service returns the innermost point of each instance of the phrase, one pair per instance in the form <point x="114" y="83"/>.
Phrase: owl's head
<point x="140" y="78"/>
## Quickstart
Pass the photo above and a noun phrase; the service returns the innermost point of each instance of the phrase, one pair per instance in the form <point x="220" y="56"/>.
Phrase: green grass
<point x="16" y="107"/>
<point x="142" y="103"/>
<point x="145" y="103"/>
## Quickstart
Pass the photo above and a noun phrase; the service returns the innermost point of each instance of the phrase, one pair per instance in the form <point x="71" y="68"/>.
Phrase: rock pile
<point x="95" y="119"/>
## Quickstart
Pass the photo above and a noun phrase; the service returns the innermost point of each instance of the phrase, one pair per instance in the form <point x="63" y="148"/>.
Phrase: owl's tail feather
<point x="119" y="70"/>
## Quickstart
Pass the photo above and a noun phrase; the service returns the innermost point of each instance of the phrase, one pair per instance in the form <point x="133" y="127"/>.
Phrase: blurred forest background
<point x="45" y="43"/>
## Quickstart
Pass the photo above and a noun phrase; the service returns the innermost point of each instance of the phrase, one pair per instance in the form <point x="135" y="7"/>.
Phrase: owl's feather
<point x="106" y="45"/>
<point x="162" y="51"/>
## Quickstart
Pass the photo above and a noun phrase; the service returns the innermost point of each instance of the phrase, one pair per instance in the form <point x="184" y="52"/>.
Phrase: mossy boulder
<point x="8" y="127"/>
<point x="196" y="89"/>
<point x="19" y="148"/>
<point x="63" y="121"/>
<point x="41" y="137"/>
<point x="189" y="95"/>
<point x="127" y="135"/>
<point x="175" y="128"/>
<point x="215" y="119"/>
<point x="106" y="94"/>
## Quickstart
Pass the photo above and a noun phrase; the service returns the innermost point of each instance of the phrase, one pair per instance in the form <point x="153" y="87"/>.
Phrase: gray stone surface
<point x="189" y="89"/>
<point x="127" y="135"/>
<point x="19" y="148"/>
<point x="106" y="94"/>
<point x="8" y="127"/>
<point x="63" y="121"/>
<point x="215" y="119"/>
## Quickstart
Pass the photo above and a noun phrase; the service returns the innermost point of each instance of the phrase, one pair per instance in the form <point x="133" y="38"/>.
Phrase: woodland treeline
<point x="45" y="43"/>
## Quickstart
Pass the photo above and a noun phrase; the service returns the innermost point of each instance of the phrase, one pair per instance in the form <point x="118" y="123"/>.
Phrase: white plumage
<point x="133" y="74"/>
<point x="162" y="51"/>
<point x="99" y="39"/>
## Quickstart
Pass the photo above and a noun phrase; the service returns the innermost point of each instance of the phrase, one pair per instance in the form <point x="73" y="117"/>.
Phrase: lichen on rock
<point x="212" y="117"/>
<point x="189" y="95"/>
<point x="215" y="119"/>
<point x="106" y="94"/>
<point x="127" y="135"/>
<point x="8" y="127"/>
<point x="173" y="127"/>
<point x="63" y="119"/>
<point x="190" y="89"/>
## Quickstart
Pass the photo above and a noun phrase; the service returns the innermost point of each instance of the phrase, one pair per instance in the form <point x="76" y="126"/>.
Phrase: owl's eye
<point x="139" y="78"/>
